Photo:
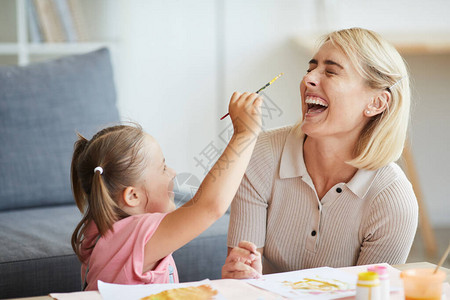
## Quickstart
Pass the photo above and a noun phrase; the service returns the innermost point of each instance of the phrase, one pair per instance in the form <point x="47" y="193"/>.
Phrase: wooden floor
<point x="418" y="254"/>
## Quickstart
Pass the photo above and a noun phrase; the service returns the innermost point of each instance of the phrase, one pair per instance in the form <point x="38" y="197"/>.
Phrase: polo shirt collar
<point x="292" y="165"/>
<point x="361" y="182"/>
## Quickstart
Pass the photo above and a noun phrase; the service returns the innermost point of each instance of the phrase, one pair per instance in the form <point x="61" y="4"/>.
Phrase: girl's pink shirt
<point x="118" y="256"/>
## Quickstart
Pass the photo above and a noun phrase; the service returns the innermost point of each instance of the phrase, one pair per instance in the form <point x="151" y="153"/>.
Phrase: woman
<point x="327" y="192"/>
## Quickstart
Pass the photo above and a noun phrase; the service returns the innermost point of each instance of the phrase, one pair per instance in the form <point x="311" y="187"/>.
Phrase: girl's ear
<point x="130" y="196"/>
<point x="378" y="104"/>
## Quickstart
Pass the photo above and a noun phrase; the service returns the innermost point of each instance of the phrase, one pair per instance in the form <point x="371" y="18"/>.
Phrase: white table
<point x="236" y="289"/>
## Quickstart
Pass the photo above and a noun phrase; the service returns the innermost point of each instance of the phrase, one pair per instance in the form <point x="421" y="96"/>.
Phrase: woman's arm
<point x="217" y="189"/>
<point x="249" y="213"/>
<point x="391" y="225"/>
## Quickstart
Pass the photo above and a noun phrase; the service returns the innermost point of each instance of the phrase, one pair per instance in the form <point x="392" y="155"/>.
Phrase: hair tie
<point x="397" y="82"/>
<point x="100" y="169"/>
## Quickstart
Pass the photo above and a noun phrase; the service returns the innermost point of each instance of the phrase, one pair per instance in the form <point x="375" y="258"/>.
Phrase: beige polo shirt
<point x="370" y="219"/>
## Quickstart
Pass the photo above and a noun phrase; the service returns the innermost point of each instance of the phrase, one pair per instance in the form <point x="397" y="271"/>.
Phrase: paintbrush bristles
<point x="281" y="74"/>
<point x="269" y="83"/>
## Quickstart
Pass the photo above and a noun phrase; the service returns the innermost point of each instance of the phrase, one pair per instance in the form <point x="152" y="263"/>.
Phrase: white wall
<point x="167" y="79"/>
<point x="430" y="131"/>
<point x="181" y="60"/>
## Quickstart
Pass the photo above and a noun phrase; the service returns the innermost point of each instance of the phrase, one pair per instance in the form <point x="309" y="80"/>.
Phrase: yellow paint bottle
<point x="368" y="286"/>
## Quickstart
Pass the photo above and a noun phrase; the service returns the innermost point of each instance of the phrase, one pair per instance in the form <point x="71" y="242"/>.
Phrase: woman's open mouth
<point x="315" y="105"/>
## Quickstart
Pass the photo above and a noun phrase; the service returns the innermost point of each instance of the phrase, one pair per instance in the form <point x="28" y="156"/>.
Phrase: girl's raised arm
<point x="217" y="189"/>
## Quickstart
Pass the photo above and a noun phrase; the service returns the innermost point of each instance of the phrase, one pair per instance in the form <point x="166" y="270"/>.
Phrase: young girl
<point x="123" y="186"/>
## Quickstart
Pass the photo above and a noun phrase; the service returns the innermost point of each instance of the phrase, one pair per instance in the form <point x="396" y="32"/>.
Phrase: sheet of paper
<point x="111" y="291"/>
<point x="318" y="283"/>
<point x="89" y="295"/>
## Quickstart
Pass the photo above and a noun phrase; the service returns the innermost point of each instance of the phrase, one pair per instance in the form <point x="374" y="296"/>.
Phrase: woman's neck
<point x="325" y="160"/>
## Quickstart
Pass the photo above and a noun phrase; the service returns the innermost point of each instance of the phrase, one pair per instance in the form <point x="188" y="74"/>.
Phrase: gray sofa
<point x="42" y="106"/>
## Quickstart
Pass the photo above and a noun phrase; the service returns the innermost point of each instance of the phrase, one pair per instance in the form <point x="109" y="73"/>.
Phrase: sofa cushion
<point x="36" y="255"/>
<point x="42" y="106"/>
<point x="37" y="258"/>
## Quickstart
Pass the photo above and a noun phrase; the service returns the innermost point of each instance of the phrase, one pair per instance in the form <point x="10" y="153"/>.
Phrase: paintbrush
<point x="267" y="84"/>
<point x="442" y="259"/>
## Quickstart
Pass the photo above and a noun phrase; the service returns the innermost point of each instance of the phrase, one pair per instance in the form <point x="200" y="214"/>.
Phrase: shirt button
<point x="339" y="190"/>
<point x="313" y="233"/>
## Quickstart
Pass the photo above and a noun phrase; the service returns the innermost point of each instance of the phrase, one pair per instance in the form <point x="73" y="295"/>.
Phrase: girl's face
<point x="157" y="182"/>
<point x="334" y="96"/>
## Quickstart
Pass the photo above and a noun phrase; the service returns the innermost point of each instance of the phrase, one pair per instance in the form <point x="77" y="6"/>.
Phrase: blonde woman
<point x="327" y="192"/>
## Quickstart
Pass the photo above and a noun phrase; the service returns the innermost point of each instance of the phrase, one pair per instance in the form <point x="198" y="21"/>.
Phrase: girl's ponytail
<point x="78" y="194"/>
<point x="102" y="206"/>
<point x="77" y="190"/>
<point x="97" y="191"/>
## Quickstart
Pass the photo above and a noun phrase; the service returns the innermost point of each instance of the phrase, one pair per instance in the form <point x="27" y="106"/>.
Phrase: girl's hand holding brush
<point x="245" y="112"/>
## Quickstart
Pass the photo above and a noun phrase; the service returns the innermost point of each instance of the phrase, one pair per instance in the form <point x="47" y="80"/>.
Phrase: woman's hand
<point x="245" y="112"/>
<point x="243" y="262"/>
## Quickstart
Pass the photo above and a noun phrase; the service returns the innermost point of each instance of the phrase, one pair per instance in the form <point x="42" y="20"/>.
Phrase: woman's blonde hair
<point x="117" y="150"/>
<point x="379" y="63"/>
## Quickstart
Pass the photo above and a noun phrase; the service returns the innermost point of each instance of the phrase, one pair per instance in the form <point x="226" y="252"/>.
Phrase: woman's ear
<point x="130" y="196"/>
<point x="378" y="104"/>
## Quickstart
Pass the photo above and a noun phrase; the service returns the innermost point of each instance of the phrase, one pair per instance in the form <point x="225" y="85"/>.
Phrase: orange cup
<point x="422" y="284"/>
